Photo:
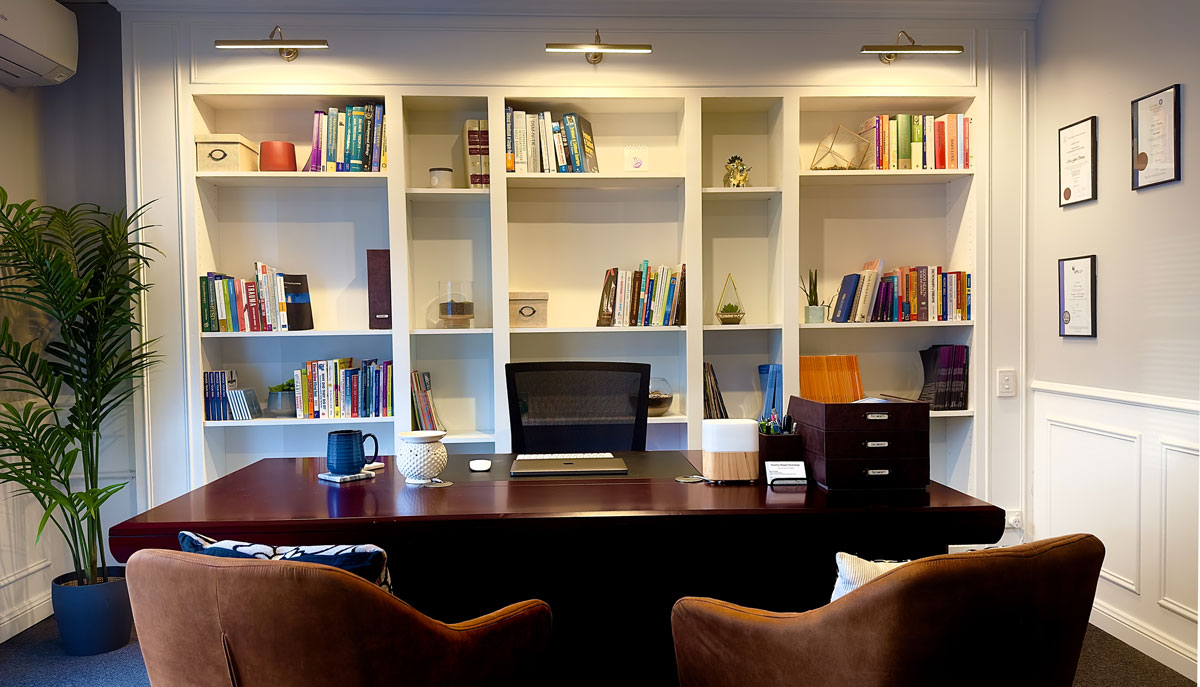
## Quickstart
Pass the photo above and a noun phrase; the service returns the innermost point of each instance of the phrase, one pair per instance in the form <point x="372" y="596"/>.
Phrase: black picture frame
<point x="1139" y="159"/>
<point x="1063" y="313"/>
<point x="1064" y="192"/>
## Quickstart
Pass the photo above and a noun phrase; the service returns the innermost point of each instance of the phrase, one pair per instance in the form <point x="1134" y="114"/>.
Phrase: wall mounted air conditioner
<point x="39" y="45"/>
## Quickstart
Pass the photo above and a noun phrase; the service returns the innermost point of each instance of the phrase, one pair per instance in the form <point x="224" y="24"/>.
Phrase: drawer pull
<point x="216" y="154"/>
<point x="876" y="444"/>
<point x="876" y="416"/>
<point x="877" y="473"/>
<point x="527" y="311"/>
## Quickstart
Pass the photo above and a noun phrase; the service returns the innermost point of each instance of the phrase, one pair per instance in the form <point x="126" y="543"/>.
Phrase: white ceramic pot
<point x="421" y="456"/>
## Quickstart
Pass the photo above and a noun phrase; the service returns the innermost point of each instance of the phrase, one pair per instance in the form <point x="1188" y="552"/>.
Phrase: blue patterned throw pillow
<point x="365" y="560"/>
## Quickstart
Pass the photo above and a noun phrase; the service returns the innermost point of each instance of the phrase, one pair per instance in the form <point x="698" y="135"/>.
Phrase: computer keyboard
<point x="561" y="456"/>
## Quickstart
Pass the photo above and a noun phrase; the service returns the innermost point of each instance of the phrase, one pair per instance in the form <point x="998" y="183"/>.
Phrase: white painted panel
<point x="1094" y="484"/>
<point x="1179" y="529"/>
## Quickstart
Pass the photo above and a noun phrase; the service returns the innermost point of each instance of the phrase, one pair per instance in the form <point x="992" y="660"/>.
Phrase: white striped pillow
<point x="854" y="572"/>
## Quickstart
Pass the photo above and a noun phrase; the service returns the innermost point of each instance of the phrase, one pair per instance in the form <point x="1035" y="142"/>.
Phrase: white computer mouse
<point x="480" y="465"/>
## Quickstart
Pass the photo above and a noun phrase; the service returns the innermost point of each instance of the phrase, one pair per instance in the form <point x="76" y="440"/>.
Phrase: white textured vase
<point x="421" y="456"/>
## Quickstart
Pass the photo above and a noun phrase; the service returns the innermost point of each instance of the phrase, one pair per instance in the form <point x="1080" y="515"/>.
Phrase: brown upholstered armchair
<point x="1002" y="616"/>
<point x="220" y="622"/>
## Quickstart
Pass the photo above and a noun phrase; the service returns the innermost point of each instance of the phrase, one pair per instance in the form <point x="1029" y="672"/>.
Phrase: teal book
<point x="231" y="295"/>
<point x="355" y="135"/>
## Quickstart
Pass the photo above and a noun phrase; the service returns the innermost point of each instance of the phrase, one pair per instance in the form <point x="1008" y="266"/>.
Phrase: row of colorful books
<point x="271" y="301"/>
<point x="340" y="389"/>
<point x="349" y="140"/>
<point x="946" y="375"/>
<point x="906" y="294"/>
<point x="536" y="142"/>
<point x="643" y="297"/>
<point x="911" y="141"/>
<point x="476" y="150"/>
<point x="830" y="378"/>
<point x="424" y="415"/>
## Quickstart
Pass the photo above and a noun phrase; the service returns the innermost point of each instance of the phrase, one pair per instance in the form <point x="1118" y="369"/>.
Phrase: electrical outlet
<point x="1012" y="519"/>
<point x="1006" y="382"/>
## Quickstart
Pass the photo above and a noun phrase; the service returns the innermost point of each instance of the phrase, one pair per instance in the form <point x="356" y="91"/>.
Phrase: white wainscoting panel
<point x="1124" y="466"/>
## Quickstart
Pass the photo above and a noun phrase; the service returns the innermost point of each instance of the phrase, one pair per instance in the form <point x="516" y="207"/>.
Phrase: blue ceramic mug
<point x="344" y="453"/>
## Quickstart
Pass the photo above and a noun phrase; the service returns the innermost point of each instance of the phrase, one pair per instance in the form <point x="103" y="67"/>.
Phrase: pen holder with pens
<point x="779" y="447"/>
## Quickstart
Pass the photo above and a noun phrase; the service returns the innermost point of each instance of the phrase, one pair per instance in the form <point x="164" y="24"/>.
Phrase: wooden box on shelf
<point x="527" y="308"/>
<point x="850" y="446"/>
<point x="225" y="153"/>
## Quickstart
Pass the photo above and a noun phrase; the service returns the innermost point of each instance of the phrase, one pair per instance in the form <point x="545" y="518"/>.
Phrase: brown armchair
<point x="1002" y="616"/>
<point x="209" y="622"/>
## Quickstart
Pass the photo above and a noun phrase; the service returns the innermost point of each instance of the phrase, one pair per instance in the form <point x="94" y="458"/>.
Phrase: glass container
<point x="456" y="304"/>
<point x="661" y="397"/>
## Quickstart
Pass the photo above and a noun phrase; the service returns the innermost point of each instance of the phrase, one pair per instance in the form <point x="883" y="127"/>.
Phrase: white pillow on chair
<point x="854" y="572"/>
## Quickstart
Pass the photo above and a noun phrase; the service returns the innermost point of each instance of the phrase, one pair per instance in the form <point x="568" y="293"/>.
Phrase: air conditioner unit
<point x="39" y="45"/>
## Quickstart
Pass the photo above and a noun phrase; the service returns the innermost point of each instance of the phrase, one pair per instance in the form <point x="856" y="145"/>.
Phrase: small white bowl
<point x="424" y="436"/>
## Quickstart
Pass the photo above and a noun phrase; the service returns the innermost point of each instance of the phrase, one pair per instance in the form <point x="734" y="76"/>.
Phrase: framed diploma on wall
<point x="1156" y="138"/>
<point x="1077" y="296"/>
<point x="1077" y="162"/>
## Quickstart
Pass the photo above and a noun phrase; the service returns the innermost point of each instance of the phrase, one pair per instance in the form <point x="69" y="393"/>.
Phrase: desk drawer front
<point x="860" y="416"/>
<point x="870" y="473"/>
<point x="865" y="444"/>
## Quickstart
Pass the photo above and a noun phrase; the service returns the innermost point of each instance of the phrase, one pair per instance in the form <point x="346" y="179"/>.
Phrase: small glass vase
<point x="661" y="397"/>
<point x="456" y="304"/>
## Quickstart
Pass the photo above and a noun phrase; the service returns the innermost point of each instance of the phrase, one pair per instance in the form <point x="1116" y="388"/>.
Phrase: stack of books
<point x="912" y="141"/>
<point x="643" y="297"/>
<point x="830" y="378"/>
<point x="217" y="385"/>
<point x="536" y="142"/>
<point x="340" y="389"/>
<point x="906" y="294"/>
<point x="424" y="415"/>
<point x="271" y="301"/>
<point x="475" y="153"/>
<point x="714" y="403"/>
<point x="945" y="386"/>
<point x="350" y="140"/>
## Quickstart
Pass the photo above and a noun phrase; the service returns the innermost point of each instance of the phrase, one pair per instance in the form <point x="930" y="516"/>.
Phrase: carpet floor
<point x="35" y="658"/>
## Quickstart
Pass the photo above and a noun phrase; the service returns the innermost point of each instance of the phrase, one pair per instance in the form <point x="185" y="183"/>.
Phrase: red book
<point x="313" y="411"/>
<point x="966" y="142"/>
<point x="252" y="309"/>
<point x="239" y="297"/>
<point x="939" y="143"/>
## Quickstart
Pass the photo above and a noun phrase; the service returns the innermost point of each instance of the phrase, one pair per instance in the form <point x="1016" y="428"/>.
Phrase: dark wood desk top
<point x="284" y="494"/>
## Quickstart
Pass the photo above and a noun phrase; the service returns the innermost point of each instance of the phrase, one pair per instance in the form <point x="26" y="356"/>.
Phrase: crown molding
<point x="1024" y="10"/>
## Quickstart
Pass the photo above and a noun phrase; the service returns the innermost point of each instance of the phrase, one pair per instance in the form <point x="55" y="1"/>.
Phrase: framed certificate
<point x="1156" y="138"/>
<point x="1077" y="162"/>
<point x="1077" y="296"/>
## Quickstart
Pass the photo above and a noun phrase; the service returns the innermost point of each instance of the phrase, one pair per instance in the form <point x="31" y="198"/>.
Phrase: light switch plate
<point x="1006" y="382"/>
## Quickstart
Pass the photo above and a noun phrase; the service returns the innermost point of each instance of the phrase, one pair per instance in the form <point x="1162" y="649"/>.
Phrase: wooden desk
<point x="609" y="554"/>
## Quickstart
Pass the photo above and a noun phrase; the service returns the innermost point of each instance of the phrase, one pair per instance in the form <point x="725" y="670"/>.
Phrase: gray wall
<point x="1093" y="58"/>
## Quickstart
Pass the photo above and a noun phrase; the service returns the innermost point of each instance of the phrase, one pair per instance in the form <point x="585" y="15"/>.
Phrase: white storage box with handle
<point x="225" y="153"/>
<point x="527" y="308"/>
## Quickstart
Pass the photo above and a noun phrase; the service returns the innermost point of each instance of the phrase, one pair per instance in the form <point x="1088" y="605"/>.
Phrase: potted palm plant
<point x="78" y="271"/>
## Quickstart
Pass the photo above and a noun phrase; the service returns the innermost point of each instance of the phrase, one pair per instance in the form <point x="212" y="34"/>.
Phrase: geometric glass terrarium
<point x="729" y="307"/>
<point x="842" y="149"/>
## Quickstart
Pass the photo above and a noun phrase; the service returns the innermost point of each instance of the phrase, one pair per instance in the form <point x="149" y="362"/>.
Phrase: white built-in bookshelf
<point x="558" y="233"/>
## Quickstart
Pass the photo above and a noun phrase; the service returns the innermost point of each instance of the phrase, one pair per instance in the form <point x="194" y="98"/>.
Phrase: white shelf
<point x="468" y="436"/>
<point x="295" y="421"/>
<point x="884" y="325"/>
<point x="748" y="193"/>
<point x="293" y="179"/>
<point x="447" y="195"/>
<point x="742" y="327"/>
<point x="951" y="413"/>
<point x="837" y="177"/>
<point x="302" y="334"/>
<point x="424" y="332"/>
<point x="616" y="180"/>
<point x="596" y="330"/>
<point x="671" y="418"/>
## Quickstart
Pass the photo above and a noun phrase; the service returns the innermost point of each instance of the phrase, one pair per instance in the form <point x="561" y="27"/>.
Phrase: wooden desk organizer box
<point x="849" y="446"/>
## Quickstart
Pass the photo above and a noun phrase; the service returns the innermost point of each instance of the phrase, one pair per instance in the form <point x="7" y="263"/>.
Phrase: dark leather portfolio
<point x="379" y="288"/>
<point x="849" y="446"/>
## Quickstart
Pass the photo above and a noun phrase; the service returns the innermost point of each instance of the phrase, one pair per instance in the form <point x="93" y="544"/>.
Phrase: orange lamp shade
<point x="277" y="156"/>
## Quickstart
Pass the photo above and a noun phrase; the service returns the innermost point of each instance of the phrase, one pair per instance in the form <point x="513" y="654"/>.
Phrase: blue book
<point x="968" y="296"/>
<point x="845" y="299"/>
<point x="508" y="139"/>
<point x="942" y="286"/>
<point x="571" y="142"/>
<point x="378" y="142"/>
<point x="670" y="298"/>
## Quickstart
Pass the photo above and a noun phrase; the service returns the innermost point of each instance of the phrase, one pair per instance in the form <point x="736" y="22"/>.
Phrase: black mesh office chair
<point x="575" y="407"/>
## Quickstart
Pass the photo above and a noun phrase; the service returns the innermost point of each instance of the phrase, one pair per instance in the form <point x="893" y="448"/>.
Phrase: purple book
<point x="315" y="158"/>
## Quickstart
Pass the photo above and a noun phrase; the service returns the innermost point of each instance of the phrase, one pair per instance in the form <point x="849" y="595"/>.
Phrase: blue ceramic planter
<point x="95" y="618"/>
